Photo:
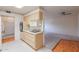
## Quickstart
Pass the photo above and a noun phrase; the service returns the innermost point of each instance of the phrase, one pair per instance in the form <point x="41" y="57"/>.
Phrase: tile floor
<point x="20" y="46"/>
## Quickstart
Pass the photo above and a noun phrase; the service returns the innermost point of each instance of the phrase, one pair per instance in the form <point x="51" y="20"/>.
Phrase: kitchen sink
<point x="35" y="31"/>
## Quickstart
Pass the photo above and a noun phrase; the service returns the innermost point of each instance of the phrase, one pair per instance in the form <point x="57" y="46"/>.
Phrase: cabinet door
<point x="25" y="23"/>
<point x="41" y="15"/>
<point x="36" y="15"/>
<point x="39" y="40"/>
<point x="31" y="17"/>
<point x="28" y="38"/>
<point x="26" y="19"/>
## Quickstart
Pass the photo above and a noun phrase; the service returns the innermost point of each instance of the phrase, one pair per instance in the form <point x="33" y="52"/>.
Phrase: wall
<point x="18" y="18"/>
<point x="17" y="27"/>
<point x="78" y="25"/>
<point x="60" y="24"/>
<point x="0" y="35"/>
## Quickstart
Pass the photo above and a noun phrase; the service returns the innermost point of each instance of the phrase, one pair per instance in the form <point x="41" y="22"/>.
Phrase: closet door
<point x="8" y="25"/>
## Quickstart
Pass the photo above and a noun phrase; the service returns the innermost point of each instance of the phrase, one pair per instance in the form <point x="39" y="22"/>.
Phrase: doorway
<point x="7" y="30"/>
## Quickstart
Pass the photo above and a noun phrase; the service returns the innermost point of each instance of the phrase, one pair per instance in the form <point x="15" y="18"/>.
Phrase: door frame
<point x="13" y="21"/>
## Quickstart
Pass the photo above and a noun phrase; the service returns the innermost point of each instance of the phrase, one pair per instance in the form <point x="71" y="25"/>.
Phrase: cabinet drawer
<point x="29" y="35"/>
<point x="36" y="41"/>
<point x="26" y="36"/>
<point x="22" y="36"/>
<point x="30" y="38"/>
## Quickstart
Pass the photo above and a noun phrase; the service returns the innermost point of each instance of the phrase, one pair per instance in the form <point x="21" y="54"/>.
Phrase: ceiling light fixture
<point x="66" y="13"/>
<point x="19" y="6"/>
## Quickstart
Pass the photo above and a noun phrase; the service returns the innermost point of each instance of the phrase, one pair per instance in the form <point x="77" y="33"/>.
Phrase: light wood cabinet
<point x="33" y="21"/>
<point x="35" y="41"/>
<point x="25" y="23"/>
<point x="39" y="15"/>
<point x="34" y="18"/>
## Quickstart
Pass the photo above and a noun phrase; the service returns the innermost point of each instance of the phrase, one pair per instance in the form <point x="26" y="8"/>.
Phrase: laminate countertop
<point x="33" y="32"/>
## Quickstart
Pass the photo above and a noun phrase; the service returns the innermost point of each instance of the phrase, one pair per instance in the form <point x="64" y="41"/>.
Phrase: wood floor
<point x="8" y="39"/>
<point x="66" y="46"/>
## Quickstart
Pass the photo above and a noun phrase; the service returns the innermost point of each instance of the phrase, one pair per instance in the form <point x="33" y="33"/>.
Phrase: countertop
<point x="32" y="32"/>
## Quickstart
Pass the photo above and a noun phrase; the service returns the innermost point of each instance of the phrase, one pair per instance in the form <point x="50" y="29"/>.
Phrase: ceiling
<point x="14" y="9"/>
<point x="49" y="9"/>
<point x="59" y="9"/>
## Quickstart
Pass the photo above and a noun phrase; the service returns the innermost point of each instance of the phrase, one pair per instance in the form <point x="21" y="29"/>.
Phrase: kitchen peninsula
<point x="33" y="29"/>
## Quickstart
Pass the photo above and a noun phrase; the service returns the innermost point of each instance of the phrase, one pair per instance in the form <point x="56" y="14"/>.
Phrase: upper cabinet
<point x="25" y="23"/>
<point x="33" y="20"/>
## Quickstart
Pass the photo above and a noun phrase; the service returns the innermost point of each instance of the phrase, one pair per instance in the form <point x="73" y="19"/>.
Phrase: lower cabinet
<point x="33" y="40"/>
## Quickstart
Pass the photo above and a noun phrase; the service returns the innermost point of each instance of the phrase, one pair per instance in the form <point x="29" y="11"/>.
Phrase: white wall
<point x="18" y="18"/>
<point x="17" y="27"/>
<point x="0" y="35"/>
<point x="78" y="25"/>
<point x="57" y="23"/>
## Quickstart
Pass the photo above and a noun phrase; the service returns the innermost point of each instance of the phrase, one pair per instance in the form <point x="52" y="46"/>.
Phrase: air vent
<point x="66" y="13"/>
<point x="8" y="11"/>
